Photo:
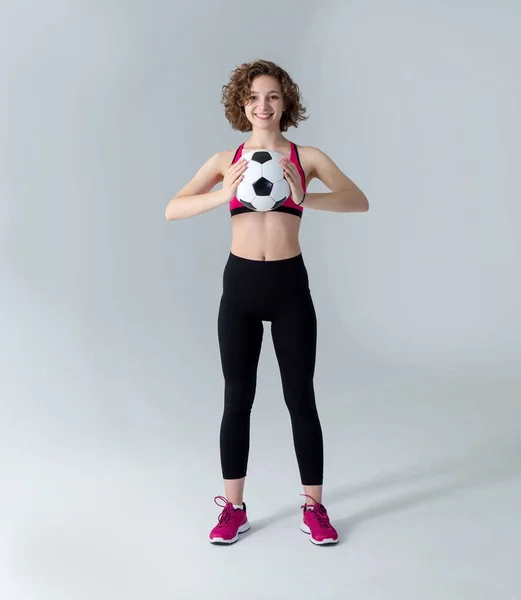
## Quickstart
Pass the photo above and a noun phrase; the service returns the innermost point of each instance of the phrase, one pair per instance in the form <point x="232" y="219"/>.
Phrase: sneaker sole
<point x="222" y="541"/>
<point x="326" y="542"/>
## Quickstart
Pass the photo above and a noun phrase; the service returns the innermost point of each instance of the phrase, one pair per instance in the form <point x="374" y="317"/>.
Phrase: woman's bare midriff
<point x="265" y="236"/>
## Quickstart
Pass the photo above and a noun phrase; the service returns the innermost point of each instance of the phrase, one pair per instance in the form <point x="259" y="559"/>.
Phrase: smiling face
<point x="265" y="105"/>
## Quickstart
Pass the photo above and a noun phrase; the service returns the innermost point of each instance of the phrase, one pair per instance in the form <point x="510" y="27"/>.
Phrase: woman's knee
<point x="239" y="395"/>
<point x="300" y="399"/>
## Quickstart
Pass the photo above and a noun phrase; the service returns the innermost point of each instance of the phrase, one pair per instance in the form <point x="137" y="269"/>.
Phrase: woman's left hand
<point x="292" y="176"/>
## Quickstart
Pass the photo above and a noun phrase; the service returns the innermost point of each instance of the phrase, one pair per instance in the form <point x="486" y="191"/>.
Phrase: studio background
<point x="110" y="382"/>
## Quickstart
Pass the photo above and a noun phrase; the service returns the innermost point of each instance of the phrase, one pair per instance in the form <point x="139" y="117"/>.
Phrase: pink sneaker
<point x="232" y="521"/>
<point x="316" y="522"/>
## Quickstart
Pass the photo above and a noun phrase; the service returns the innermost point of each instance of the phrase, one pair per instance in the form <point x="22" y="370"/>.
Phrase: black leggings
<point x="277" y="291"/>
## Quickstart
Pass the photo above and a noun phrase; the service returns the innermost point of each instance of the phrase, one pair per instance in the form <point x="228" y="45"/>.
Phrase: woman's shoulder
<point x="229" y="154"/>
<point x="308" y="151"/>
<point x="308" y="156"/>
<point x="222" y="159"/>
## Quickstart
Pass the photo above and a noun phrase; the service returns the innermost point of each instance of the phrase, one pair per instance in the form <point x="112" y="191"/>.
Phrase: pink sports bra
<point x="236" y="207"/>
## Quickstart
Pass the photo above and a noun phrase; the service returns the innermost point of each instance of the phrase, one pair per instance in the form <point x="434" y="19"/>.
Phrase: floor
<point x="423" y="482"/>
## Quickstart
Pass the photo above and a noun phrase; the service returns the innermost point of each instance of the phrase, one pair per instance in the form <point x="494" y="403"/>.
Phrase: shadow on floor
<point x="495" y="462"/>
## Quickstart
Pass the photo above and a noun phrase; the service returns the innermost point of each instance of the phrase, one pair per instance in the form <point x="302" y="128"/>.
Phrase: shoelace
<point x="321" y="516"/>
<point x="227" y="507"/>
<point x="319" y="512"/>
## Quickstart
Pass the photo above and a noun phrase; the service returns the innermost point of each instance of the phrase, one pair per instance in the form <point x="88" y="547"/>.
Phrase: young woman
<point x="265" y="279"/>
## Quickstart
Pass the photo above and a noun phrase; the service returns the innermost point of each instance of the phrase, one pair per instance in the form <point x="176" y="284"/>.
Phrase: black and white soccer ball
<point x="263" y="186"/>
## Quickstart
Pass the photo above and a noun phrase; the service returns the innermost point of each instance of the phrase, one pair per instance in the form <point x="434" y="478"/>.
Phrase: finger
<point x="289" y="174"/>
<point x="235" y="173"/>
<point x="293" y="169"/>
<point x="239" y="165"/>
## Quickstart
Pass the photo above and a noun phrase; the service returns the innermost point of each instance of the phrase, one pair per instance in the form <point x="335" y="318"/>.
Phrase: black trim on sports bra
<point x="298" y="158"/>
<point x="285" y="209"/>
<point x="235" y="155"/>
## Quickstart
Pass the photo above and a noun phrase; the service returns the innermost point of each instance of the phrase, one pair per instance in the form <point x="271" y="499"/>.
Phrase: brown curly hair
<point x="236" y="92"/>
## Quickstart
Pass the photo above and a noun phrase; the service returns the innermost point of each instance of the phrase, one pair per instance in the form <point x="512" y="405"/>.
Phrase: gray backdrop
<point x="110" y="381"/>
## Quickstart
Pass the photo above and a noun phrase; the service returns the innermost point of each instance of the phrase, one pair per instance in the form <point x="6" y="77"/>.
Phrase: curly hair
<point x="236" y="92"/>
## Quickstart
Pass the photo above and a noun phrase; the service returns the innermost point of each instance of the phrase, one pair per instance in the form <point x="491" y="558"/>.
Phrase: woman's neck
<point x="267" y="139"/>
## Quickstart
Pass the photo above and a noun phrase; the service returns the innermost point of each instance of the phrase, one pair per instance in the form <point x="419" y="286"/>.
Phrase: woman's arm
<point x="195" y="197"/>
<point x="345" y="195"/>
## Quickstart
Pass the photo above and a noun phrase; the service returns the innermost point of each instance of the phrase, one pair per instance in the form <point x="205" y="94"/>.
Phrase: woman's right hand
<point x="233" y="177"/>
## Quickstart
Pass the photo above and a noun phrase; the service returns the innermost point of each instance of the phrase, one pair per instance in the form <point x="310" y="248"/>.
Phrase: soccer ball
<point x="263" y="186"/>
